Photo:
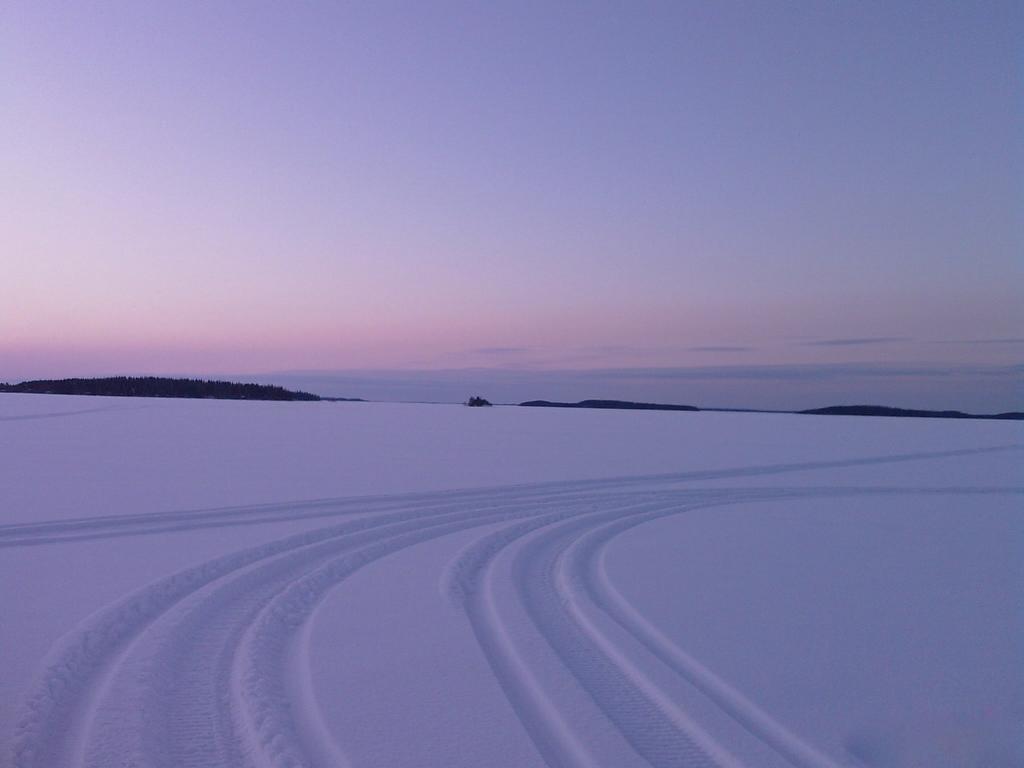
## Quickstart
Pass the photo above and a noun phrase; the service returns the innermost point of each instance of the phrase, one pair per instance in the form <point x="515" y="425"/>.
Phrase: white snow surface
<point x="216" y="583"/>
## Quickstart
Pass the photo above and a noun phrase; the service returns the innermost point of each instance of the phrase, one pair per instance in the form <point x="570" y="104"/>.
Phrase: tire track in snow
<point x="188" y="689"/>
<point x="583" y="578"/>
<point x="185" y="693"/>
<point x="549" y="577"/>
<point x="58" y="710"/>
<point x="50" y="729"/>
<point x="272" y="605"/>
<point x="467" y="582"/>
<point x="275" y="646"/>
<point x="179" y="522"/>
<point x="57" y="414"/>
<point x="263" y="682"/>
<point x="652" y="725"/>
<point x="60" y="707"/>
<point x="53" y="531"/>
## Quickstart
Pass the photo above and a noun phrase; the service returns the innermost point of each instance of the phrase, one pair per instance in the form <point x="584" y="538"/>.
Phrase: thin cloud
<point x="804" y="372"/>
<point x="795" y="371"/>
<point x="854" y="342"/>
<point x="979" y="341"/>
<point x="723" y="348"/>
<point x="614" y="348"/>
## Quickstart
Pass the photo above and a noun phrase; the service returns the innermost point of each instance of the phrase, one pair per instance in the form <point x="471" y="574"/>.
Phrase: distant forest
<point x="623" y="405"/>
<point x="835" y="410"/>
<point x="881" y="410"/>
<point x="155" y="386"/>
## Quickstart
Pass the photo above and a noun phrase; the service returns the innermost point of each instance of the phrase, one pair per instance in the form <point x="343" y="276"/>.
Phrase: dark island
<point x="883" y="410"/>
<point x="610" y="404"/>
<point x="835" y="410"/>
<point x="156" y="386"/>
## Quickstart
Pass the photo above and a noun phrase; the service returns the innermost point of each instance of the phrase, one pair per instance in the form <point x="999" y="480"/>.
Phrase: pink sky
<point x="188" y="188"/>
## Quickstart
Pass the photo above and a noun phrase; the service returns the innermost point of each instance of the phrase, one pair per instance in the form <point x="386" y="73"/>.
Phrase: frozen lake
<point x="218" y="583"/>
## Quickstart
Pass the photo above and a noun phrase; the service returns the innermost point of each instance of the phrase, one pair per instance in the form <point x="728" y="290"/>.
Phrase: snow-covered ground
<point x="211" y="583"/>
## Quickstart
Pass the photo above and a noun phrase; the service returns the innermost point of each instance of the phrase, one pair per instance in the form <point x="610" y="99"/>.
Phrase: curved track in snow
<point x="205" y="666"/>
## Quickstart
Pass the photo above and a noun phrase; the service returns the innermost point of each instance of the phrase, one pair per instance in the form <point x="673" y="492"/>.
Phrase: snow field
<point x="278" y="633"/>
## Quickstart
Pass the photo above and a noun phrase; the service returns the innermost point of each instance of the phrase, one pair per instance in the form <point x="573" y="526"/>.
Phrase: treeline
<point x="834" y="410"/>
<point x="883" y="410"/>
<point x="623" y="405"/>
<point x="156" y="386"/>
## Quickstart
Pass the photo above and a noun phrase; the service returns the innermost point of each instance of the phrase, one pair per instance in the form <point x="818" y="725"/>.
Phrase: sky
<point x="215" y="187"/>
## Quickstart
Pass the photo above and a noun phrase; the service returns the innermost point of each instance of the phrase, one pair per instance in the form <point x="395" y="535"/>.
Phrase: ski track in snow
<point x="57" y="414"/>
<point x="205" y="660"/>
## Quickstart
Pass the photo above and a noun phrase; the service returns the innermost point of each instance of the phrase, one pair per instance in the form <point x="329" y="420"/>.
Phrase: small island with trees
<point x="834" y="410"/>
<point x="882" y="410"/>
<point x="157" y="386"/>
<point x="621" y="405"/>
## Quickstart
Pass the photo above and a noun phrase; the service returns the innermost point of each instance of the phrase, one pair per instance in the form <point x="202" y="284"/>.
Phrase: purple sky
<point x="216" y="187"/>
